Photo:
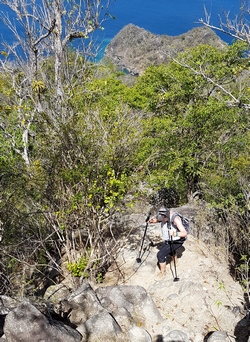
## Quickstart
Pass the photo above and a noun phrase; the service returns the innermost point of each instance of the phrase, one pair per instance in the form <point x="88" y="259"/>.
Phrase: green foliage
<point x="218" y="303"/>
<point x="173" y="128"/>
<point x="84" y="266"/>
<point x="78" y="268"/>
<point x="192" y="126"/>
<point x="221" y="286"/>
<point x="112" y="191"/>
<point x="12" y="264"/>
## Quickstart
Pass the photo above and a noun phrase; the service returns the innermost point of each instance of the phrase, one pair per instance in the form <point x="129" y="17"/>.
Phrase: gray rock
<point x="101" y="327"/>
<point x="139" y="335"/>
<point x="112" y="298"/>
<point x="134" y="299"/>
<point x="185" y="287"/>
<point x="82" y="304"/>
<point x="7" y="304"/>
<point x="123" y="318"/>
<point x="218" y="336"/>
<point x="176" y="336"/>
<point x="26" y="323"/>
<point x="56" y="293"/>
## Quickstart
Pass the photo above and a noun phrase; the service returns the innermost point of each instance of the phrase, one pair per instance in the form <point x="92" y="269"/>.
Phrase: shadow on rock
<point x="242" y="330"/>
<point x="2" y="320"/>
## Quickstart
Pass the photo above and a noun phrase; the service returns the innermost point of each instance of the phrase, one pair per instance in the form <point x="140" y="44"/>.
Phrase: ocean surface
<point x="170" y="17"/>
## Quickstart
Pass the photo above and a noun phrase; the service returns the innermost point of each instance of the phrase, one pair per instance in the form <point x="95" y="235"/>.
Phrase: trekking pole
<point x="147" y="219"/>
<point x="173" y="253"/>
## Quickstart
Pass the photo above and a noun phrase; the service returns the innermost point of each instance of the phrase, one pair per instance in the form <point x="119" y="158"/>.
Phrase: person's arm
<point x="181" y="229"/>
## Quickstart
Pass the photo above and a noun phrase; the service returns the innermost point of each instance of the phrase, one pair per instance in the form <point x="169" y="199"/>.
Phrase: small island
<point x="134" y="49"/>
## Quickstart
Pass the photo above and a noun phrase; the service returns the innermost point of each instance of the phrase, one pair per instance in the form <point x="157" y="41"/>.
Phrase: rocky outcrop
<point x="206" y="304"/>
<point x="27" y="323"/>
<point x="134" y="48"/>
<point x="112" y="313"/>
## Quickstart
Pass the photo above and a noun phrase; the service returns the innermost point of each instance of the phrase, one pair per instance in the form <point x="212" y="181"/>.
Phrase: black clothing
<point x="166" y="250"/>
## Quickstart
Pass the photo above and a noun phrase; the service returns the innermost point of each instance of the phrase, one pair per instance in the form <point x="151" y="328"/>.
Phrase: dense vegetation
<point x="72" y="151"/>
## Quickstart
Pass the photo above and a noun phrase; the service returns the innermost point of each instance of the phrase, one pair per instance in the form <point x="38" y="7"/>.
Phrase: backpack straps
<point x="175" y="214"/>
<point x="173" y="217"/>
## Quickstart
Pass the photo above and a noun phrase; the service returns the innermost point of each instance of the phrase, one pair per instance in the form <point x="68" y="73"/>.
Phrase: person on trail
<point x="173" y="233"/>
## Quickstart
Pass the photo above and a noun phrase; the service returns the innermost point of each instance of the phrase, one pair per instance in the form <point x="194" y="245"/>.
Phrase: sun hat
<point x="162" y="214"/>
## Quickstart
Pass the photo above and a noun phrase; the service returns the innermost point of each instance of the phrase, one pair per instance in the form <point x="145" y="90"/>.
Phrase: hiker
<point x="176" y="234"/>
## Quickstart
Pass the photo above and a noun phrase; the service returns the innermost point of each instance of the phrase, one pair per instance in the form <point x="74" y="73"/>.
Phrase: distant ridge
<point x="134" y="48"/>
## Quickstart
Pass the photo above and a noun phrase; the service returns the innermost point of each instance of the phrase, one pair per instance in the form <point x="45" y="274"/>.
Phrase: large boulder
<point x="82" y="304"/>
<point x="101" y="327"/>
<point x="56" y="293"/>
<point x="6" y="305"/>
<point x="135" y="302"/>
<point x="111" y="312"/>
<point x="139" y="335"/>
<point x="27" y="323"/>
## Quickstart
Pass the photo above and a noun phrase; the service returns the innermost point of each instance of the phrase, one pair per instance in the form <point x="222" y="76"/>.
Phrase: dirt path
<point x="205" y="299"/>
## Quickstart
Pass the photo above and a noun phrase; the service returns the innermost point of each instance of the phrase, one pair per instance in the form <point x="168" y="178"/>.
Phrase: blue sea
<point x="170" y="17"/>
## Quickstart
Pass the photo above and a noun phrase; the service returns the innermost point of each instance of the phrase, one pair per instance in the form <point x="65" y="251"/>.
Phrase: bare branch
<point x="237" y="28"/>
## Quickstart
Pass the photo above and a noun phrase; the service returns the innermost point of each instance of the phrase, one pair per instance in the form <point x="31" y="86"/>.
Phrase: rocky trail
<point x="204" y="304"/>
<point x="205" y="298"/>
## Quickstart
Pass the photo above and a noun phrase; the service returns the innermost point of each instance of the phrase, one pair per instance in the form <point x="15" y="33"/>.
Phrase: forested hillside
<point x="82" y="142"/>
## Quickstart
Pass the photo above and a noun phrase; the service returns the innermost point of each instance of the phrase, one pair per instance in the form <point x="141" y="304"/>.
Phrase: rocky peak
<point x="134" y="48"/>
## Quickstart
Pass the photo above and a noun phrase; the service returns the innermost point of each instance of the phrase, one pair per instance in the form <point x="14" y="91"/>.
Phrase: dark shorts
<point x="167" y="250"/>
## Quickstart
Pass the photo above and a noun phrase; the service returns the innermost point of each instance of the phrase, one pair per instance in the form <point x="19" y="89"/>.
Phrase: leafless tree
<point x="238" y="27"/>
<point x="42" y="30"/>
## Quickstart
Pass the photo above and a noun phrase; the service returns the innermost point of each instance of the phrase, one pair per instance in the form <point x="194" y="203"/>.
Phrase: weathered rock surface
<point x="27" y="323"/>
<point x="134" y="48"/>
<point x="136" y="304"/>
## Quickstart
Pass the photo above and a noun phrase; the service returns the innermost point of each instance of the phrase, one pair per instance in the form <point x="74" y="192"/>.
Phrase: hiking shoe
<point x="160" y="276"/>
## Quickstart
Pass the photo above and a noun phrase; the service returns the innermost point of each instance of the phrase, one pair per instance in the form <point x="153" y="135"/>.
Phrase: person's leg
<point x="161" y="256"/>
<point x="162" y="266"/>
<point x="175" y="247"/>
